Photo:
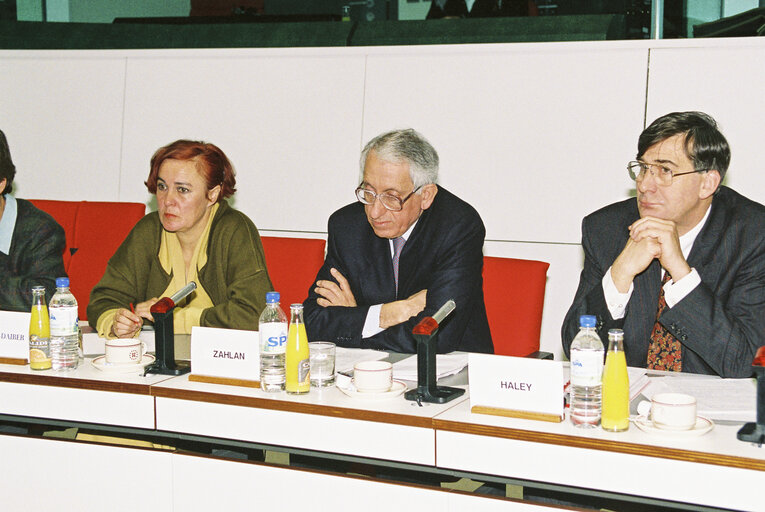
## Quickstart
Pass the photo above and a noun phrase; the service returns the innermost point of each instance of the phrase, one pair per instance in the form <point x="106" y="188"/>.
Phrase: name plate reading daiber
<point x="14" y="337"/>
<point x="225" y="356"/>
<point x="518" y="387"/>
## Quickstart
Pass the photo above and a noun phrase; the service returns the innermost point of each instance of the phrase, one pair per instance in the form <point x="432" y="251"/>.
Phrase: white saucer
<point x="395" y="390"/>
<point x="702" y="426"/>
<point x="101" y="364"/>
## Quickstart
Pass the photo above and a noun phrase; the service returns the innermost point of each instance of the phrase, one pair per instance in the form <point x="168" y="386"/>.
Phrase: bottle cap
<point x="62" y="282"/>
<point x="272" y="297"/>
<point x="587" y="321"/>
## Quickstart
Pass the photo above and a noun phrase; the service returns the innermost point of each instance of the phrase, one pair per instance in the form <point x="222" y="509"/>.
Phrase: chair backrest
<point x="100" y="229"/>
<point x="292" y="265"/>
<point x="94" y="230"/>
<point x="514" y="292"/>
<point x="65" y="213"/>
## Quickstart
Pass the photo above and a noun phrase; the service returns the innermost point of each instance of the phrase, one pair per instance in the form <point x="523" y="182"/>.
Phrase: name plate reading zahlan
<point x="518" y="387"/>
<point x="14" y="336"/>
<point x="225" y="353"/>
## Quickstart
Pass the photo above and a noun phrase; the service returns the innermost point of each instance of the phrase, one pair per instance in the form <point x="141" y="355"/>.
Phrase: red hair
<point x="212" y="164"/>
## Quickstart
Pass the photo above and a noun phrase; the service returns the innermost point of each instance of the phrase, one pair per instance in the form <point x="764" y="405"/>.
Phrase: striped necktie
<point x="398" y="245"/>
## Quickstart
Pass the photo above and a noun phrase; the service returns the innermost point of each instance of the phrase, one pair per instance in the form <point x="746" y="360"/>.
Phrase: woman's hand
<point x="127" y="323"/>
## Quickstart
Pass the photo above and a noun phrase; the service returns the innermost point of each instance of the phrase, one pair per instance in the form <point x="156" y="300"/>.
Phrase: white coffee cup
<point x="373" y="376"/>
<point x="124" y="351"/>
<point x="670" y="411"/>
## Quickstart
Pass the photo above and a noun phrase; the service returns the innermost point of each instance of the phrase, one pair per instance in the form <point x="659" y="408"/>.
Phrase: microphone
<point x="428" y="325"/>
<point x="165" y="304"/>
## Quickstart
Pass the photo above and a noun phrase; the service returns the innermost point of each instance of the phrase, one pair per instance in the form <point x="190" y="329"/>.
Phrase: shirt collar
<point x="7" y="223"/>
<point x="405" y="236"/>
<point x="687" y="240"/>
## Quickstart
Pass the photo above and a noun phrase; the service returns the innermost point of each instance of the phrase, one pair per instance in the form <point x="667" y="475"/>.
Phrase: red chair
<point x="292" y="265"/>
<point x="65" y="213"/>
<point x="93" y="230"/>
<point x="101" y="228"/>
<point x="514" y="292"/>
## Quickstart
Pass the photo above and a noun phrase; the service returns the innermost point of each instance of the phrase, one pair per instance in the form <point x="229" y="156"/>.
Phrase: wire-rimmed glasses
<point x="661" y="173"/>
<point x="389" y="201"/>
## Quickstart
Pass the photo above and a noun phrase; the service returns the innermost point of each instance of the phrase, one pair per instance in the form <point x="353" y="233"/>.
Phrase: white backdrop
<point x="534" y="135"/>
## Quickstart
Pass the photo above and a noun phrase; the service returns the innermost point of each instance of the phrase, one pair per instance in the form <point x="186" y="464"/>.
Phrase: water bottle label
<point x="63" y="321"/>
<point x="273" y="337"/>
<point x="586" y="368"/>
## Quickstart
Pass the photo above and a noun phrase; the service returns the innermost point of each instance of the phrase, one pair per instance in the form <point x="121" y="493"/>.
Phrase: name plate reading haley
<point x="225" y="353"/>
<point x="14" y="337"/>
<point x="516" y="386"/>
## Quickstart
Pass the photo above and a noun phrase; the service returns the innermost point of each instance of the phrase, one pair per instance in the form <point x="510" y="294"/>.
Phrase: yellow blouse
<point x="189" y="311"/>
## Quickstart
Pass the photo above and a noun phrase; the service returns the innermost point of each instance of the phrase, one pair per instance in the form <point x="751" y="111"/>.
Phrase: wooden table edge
<point x="70" y="382"/>
<point x="279" y="405"/>
<point x="662" y="452"/>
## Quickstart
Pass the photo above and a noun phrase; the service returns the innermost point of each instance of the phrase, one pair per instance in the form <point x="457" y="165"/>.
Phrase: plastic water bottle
<point x="64" y="327"/>
<point x="273" y="344"/>
<point x="586" y="374"/>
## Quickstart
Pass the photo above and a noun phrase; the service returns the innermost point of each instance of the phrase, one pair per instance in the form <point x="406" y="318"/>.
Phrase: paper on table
<point x="346" y="358"/>
<point x="638" y="381"/>
<point x="446" y="364"/>
<point x="716" y="399"/>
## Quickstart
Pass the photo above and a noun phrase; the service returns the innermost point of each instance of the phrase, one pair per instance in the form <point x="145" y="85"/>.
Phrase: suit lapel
<point x="379" y="268"/>
<point x="645" y="300"/>
<point x="702" y="251"/>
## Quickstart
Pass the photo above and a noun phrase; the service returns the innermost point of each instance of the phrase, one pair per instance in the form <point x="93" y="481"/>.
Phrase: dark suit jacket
<point x="443" y="254"/>
<point x="35" y="258"/>
<point x="720" y="323"/>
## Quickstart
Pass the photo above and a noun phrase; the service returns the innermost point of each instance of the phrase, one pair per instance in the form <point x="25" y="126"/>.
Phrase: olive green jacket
<point x="235" y="275"/>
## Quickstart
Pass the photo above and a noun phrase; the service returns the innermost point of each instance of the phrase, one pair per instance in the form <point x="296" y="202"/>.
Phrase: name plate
<point x="516" y="386"/>
<point x="225" y="353"/>
<point x="14" y="336"/>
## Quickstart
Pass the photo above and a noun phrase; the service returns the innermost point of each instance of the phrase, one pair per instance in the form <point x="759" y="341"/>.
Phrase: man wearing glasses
<point x="681" y="268"/>
<point x="398" y="254"/>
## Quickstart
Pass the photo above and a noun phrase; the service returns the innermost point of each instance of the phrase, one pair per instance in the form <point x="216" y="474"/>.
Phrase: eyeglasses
<point x="389" y="201"/>
<point x="662" y="174"/>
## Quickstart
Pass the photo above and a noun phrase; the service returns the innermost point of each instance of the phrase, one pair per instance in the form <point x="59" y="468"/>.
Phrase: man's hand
<point x="394" y="313"/>
<point x="335" y="293"/>
<point x="650" y="238"/>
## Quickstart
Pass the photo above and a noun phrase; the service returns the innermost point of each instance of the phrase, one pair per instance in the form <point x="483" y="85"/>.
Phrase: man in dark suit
<point x="398" y="254"/>
<point x="704" y="241"/>
<point x="31" y="243"/>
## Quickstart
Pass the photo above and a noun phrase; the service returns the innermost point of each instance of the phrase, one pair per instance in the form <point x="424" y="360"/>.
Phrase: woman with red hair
<point x="193" y="236"/>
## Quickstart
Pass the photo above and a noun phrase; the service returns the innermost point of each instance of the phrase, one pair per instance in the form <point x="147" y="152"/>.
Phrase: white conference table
<point x="714" y="470"/>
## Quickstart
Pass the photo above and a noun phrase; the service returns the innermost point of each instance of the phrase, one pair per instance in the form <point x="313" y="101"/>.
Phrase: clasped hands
<point x="650" y="238"/>
<point x="392" y="313"/>
<point x="127" y="323"/>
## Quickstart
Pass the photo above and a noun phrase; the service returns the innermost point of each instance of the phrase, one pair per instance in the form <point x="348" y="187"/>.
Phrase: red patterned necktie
<point x="664" y="350"/>
<point x="398" y="245"/>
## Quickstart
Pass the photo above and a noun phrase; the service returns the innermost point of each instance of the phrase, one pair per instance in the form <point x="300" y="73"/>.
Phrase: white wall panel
<point x="726" y="83"/>
<point x="533" y="137"/>
<point x="289" y="124"/>
<point x="63" y="120"/>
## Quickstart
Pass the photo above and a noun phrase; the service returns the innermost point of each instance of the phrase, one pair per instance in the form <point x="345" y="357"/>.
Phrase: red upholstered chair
<point x="292" y="265"/>
<point x="514" y="292"/>
<point x="93" y="230"/>
<point x="65" y="213"/>
<point x="100" y="229"/>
